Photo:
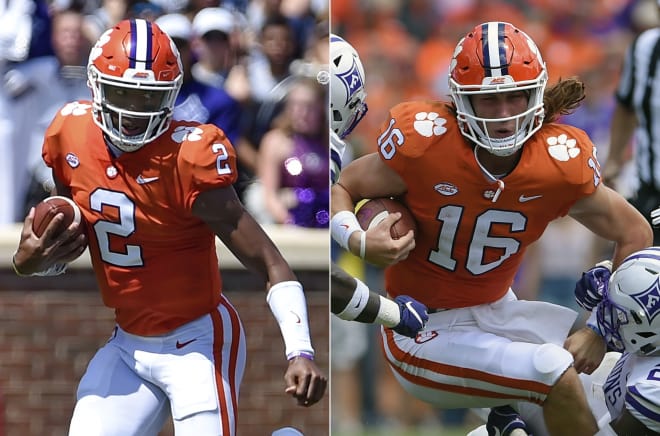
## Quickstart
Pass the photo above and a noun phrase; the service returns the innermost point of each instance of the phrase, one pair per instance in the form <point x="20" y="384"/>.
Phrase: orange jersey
<point x="155" y="262"/>
<point x="469" y="248"/>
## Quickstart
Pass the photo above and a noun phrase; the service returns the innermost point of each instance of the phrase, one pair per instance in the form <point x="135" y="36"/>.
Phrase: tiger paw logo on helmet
<point x="428" y="124"/>
<point x="562" y="148"/>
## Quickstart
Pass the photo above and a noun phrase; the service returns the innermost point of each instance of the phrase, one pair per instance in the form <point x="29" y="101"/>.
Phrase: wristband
<point x="342" y="225"/>
<point x="295" y="354"/>
<point x="389" y="313"/>
<point x="363" y="244"/>
<point x="358" y="302"/>
<point x="287" y="302"/>
<point x="55" y="270"/>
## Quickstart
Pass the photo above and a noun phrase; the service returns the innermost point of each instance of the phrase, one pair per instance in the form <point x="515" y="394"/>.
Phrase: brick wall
<point x="48" y="336"/>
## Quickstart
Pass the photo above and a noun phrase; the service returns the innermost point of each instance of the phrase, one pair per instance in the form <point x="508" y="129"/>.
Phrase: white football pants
<point x="133" y="382"/>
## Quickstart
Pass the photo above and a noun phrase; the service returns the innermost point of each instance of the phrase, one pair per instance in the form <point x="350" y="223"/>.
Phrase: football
<point x="373" y="211"/>
<point x="46" y="210"/>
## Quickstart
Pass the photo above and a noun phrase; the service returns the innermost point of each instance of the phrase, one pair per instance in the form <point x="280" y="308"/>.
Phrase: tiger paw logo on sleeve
<point x="428" y="124"/>
<point x="562" y="148"/>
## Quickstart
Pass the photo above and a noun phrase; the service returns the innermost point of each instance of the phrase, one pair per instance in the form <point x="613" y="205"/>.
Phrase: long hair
<point x="562" y="98"/>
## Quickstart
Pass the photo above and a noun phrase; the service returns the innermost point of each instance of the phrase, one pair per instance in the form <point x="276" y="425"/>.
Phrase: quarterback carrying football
<point x="154" y="193"/>
<point x="483" y="175"/>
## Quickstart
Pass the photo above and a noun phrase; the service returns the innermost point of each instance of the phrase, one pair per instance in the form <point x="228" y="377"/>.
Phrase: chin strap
<point x="500" y="183"/>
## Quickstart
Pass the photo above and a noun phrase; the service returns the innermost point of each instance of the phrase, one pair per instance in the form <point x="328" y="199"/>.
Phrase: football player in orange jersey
<point x="155" y="193"/>
<point x="484" y="174"/>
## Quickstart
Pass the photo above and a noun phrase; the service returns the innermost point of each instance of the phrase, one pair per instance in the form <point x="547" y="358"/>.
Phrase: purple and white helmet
<point x="347" y="92"/>
<point x="629" y="315"/>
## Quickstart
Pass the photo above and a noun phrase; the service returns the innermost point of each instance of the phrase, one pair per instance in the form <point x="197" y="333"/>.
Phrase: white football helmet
<point x="629" y="315"/>
<point x="135" y="73"/>
<point x="347" y="92"/>
<point x="497" y="57"/>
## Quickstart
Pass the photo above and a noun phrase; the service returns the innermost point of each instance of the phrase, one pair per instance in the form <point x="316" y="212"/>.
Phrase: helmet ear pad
<point x="347" y="87"/>
<point x="135" y="56"/>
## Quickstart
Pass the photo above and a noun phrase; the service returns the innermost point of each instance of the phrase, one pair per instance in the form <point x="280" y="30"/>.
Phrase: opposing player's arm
<point x="611" y="217"/>
<point x="352" y="300"/>
<point x="627" y="424"/>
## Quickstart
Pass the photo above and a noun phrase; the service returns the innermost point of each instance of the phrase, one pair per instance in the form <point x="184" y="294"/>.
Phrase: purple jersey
<point x="634" y="384"/>
<point x="306" y="173"/>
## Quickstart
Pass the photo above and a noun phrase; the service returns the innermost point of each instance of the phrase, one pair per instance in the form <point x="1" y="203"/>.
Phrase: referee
<point x="637" y="112"/>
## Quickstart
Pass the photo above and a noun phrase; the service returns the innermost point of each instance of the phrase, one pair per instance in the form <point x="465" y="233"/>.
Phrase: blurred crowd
<point x="250" y="68"/>
<point x="405" y="47"/>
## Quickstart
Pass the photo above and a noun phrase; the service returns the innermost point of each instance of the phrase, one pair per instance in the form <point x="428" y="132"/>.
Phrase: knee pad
<point x="552" y="361"/>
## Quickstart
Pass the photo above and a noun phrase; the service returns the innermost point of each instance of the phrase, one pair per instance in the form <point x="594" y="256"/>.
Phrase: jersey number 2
<point x="132" y="255"/>
<point x="221" y="163"/>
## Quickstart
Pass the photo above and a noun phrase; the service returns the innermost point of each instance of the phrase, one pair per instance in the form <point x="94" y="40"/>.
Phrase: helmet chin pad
<point x="157" y="124"/>
<point x="503" y="146"/>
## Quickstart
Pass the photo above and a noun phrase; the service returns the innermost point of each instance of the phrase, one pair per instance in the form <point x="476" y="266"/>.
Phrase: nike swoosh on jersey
<point x="523" y="198"/>
<point x="183" y="344"/>
<point x="142" y="180"/>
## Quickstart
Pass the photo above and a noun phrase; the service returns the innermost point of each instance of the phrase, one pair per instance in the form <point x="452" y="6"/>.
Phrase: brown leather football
<point x="373" y="211"/>
<point x="46" y="210"/>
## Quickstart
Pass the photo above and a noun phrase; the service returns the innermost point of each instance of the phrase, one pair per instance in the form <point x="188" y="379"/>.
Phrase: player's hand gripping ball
<point x="376" y="210"/>
<point x="47" y="209"/>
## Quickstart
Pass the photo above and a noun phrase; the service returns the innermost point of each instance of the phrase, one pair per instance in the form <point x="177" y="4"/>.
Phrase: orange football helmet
<point x="135" y="74"/>
<point x="497" y="57"/>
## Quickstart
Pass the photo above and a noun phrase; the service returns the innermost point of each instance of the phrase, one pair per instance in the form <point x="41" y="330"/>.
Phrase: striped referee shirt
<point x="639" y="91"/>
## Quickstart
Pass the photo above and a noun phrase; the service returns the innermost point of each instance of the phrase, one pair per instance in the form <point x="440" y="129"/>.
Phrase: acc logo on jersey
<point x="72" y="160"/>
<point x="352" y="80"/>
<point x="446" y="188"/>
<point x="649" y="300"/>
<point x="428" y="124"/>
<point x="562" y="148"/>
